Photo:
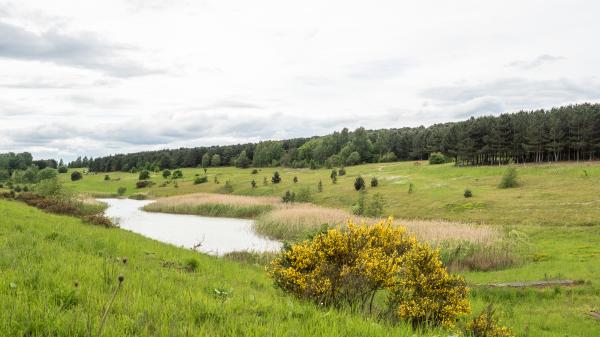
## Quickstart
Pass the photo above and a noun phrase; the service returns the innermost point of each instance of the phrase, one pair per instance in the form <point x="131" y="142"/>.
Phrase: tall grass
<point x="214" y="205"/>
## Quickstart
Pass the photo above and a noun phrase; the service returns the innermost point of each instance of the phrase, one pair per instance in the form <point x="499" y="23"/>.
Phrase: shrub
<point x="177" y="174"/>
<point x="143" y="183"/>
<point x="359" y="183"/>
<point x="265" y="181"/>
<point x="425" y="292"/>
<point x="509" y="179"/>
<point x="359" y="207"/>
<point x="166" y="174"/>
<point x="333" y="176"/>
<point x="98" y="220"/>
<point x="295" y="179"/>
<point x="17" y="188"/>
<point x="437" y="158"/>
<point x="486" y="325"/>
<point x="342" y="171"/>
<point x="254" y="171"/>
<point x="62" y="169"/>
<point x="25" y="188"/>
<point x="144" y="174"/>
<point x="342" y="266"/>
<point x="46" y="173"/>
<point x="374" y="182"/>
<point x="121" y="190"/>
<point x="200" y="180"/>
<point x="411" y="188"/>
<point x="276" y="179"/>
<point x="106" y="177"/>
<point x="288" y="197"/>
<point x="49" y="187"/>
<point x="320" y="186"/>
<point x="76" y="175"/>
<point x="253" y="183"/>
<point x="468" y="193"/>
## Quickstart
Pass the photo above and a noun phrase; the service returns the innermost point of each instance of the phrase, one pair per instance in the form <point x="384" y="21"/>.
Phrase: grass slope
<point x="42" y="256"/>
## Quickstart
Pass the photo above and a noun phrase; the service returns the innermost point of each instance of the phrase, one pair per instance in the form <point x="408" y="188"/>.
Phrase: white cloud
<point x="97" y="77"/>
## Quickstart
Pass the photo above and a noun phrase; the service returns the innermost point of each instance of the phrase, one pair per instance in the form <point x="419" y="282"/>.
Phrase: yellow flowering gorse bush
<point x="349" y="265"/>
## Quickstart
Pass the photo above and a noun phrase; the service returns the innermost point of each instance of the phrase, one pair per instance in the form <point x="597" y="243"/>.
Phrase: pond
<point x="216" y="236"/>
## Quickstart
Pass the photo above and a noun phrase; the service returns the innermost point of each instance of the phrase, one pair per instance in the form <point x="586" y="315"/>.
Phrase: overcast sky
<point x="99" y="77"/>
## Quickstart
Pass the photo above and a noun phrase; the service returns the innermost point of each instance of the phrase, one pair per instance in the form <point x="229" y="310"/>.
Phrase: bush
<point x="342" y="171"/>
<point x="49" y="187"/>
<point x="254" y="171"/>
<point x="121" y="190"/>
<point x="333" y="176"/>
<point x="177" y="174"/>
<point x="99" y="220"/>
<point x="191" y="265"/>
<point x="76" y="175"/>
<point x="62" y="169"/>
<point x="425" y="292"/>
<point x="320" y="186"/>
<point x="144" y="174"/>
<point x="360" y="207"/>
<point x="295" y="180"/>
<point x="253" y="183"/>
<point x="276" y="179"/>
<point x="349" y="266"/>
<point x="303" y="195"/>
<point x="509" y="179"/>
<point x="437" y="158"/>
<point x="46" y="173"/>
<point x="359" y="183"/>
<point x="166" y="174"/>
<point x="200" y="180"/>
<point x="288" y="197"/>
<point x="486" y="325"/>
<point x="106" y="177"/>
<point x="375" y="208"/>
<point x="468" y="193"/>
<point x="374" y="182"/>
<point x="143" y="183"/>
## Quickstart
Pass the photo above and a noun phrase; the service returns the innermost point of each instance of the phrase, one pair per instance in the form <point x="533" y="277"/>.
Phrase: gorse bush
<point x="468" y="193"/>
<point x="509" y="179"/>
<point x="350" y="265"/>
<point x="486" y="325"/>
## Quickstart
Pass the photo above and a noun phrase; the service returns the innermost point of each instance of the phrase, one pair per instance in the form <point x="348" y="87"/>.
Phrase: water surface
<point x="217" y="236"/>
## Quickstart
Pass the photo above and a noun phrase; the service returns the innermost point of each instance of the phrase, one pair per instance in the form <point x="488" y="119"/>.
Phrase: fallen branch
<point x="536" y="284"/>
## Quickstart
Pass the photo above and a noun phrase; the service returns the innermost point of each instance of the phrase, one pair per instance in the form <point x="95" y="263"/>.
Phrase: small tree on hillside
<point x="62" y="169"/>
<point x="276" y="179"/>
<point x="177" y="174"/>
<point x="509" y="179"/>
<point x="253" y="183"/>
<point x="359" y="183"/>
<point x="166" y="174"/>
<point x="333" y="176"/>
<point x="374" y="182"/>
<point x="342" y="171"/>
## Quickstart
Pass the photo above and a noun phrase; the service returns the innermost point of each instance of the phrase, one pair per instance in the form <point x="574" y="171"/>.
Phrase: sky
<point x="100" y="77"/>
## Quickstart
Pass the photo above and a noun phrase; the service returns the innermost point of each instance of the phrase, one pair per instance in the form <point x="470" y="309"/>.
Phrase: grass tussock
<point x="214" y="205"/>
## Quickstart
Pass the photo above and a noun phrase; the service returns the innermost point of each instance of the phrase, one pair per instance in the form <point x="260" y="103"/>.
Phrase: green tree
<point x="166" y="174"/>
<point x="276" y="179"/>
<point x="144" y="174"/>
<point x="359" y="183"/>
<point x="215" y="160"/>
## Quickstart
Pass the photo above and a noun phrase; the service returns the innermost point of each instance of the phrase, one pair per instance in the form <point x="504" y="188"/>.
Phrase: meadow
<point x="553" y="215"/>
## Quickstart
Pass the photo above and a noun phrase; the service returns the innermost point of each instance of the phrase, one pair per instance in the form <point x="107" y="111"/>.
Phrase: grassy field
<point x="58" y="274"/>
<point x="553" y="194"/>
<point x="554" y="212"/>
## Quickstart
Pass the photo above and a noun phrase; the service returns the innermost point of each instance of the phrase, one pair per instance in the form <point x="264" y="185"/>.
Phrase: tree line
<point x="568" y="133"/>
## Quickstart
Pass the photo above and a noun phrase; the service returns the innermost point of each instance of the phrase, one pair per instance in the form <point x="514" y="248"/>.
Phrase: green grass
<point x="556" y="205"/>
<point x="549" y="194"/>
<point x="165" y="293"/>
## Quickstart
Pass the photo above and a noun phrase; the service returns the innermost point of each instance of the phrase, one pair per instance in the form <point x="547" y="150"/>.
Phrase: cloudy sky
<point x="99" y="77"/>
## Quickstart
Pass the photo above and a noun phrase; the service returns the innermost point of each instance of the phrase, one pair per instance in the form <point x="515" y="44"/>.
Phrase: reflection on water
<point x="216" y="235"/>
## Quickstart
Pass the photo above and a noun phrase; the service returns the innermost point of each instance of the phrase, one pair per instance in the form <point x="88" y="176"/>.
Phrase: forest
<point x="568" y="133"/>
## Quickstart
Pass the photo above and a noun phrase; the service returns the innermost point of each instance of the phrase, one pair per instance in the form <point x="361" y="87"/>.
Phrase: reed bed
<point x="295" y="221"/>
<point x="214" y="205"/>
